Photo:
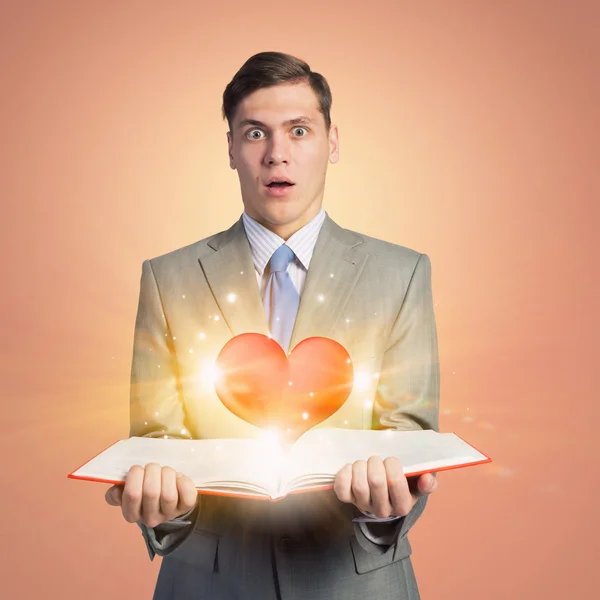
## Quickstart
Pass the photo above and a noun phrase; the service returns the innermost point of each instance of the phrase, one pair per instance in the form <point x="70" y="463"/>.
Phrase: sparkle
<point x="231" y="297"/>
<point x="305" y="415"/>
<point x="202" y="335"/>
<point x="191" y="351"/>
<point x="241" y="272"/>
<point x="348" y="361"/>
<point x="158" y="366"/>
<point x="331" y="275"/>
<point x="217" y="318"/>
<point x="156" y="414"/>
<point x="208" y="374"/>
<point x="320" y="298"/>
<point x="166" y="437"/>
<point x="503" y="471"/>
<point x="311" y="394"/>
<point x="347" y="320"/>
<point x="174" y="338"/>
<point x="487" y="426"/>
<point x="145" y="422"/>
<point x="361" y="381"/>
<point x="290" y="383"/>
<point x="183" y="432"/>
<point x="346" y="422"/>
<point x="375" y="375"/>
<point x="183" y="296"/>
<point x="368" y="404"/>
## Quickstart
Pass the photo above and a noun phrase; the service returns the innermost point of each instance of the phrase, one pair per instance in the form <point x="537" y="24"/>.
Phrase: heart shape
<point x="257" y="381"/>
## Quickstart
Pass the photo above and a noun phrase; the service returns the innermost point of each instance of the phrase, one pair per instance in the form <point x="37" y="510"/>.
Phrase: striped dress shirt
<point x="264" y="242"/>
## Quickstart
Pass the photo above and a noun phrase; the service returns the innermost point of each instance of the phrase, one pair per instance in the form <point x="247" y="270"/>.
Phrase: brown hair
<point x="267" y="69"/>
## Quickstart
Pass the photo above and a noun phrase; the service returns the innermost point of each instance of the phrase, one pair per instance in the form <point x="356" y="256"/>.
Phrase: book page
<point x="320" y="454"/>
<point x="248" y="463"/>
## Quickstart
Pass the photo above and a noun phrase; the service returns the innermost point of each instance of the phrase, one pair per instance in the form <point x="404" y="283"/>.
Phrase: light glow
<point x="362" y="381"/>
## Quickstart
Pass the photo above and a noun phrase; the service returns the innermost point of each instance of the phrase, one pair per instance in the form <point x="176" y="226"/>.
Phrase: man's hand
<point x="380" y="487"/>
<point x="153" y="495"/>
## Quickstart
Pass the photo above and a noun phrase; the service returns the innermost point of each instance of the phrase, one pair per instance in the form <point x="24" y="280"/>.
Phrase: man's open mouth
<point x="276" y="184"/>
<point x="279" y="182"/>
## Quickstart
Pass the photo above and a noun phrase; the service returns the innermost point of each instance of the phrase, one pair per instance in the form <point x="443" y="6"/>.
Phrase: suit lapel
<point x="333" y="272"/>
<point x="231" y="276"/>
<point x="230" y="273"/>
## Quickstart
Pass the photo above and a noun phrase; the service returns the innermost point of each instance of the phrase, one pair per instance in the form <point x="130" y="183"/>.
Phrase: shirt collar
<point x="264" y="242"/>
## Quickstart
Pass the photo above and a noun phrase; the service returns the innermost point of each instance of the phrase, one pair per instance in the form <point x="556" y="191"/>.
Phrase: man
<point x="285" y="269"/>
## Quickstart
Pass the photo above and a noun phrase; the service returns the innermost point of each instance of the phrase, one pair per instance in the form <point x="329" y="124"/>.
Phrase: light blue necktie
<point x="281" y="299"/>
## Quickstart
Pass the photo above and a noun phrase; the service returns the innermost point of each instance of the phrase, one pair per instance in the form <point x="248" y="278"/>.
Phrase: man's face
<point x="278" y="133"/>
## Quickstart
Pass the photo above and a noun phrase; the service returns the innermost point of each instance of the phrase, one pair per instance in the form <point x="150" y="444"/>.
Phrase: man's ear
<point x="229" y="148"/>
<point x="334" y="145"/>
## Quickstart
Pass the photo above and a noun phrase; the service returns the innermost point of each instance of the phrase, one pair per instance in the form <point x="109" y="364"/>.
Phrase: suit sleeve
<point x="409" y="387"/>
<point x="156" y="407"/>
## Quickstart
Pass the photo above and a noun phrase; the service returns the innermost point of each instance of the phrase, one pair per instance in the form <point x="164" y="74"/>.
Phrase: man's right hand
<point x="153" y="495"/>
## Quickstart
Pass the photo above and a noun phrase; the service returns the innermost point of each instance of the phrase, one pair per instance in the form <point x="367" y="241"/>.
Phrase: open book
<point x="262" y="468"/>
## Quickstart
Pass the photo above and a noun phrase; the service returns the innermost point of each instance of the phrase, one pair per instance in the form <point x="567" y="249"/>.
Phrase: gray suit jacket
<point x="371" y="296"/>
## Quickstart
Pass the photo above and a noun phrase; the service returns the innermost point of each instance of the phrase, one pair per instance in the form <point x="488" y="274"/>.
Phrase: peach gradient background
<point x="469" y="131"/>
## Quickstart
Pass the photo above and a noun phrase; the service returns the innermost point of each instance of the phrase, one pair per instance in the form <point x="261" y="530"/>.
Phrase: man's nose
<point x="277" y="153"/>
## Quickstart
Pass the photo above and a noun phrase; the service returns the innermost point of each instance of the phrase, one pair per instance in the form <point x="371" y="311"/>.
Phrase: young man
<point x="285" y="269"/>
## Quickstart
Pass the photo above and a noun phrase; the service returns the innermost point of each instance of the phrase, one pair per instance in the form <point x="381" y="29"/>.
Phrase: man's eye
<point x="300" y="129"/>
<point x="252" y="132"/>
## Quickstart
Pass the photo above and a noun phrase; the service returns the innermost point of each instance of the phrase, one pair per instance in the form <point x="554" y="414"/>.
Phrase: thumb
<point x="427" y="484"/>
<point x="114" y="495"/>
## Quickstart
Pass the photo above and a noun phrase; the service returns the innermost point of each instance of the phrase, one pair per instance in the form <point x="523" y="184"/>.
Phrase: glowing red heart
<point x="258" y="383"/>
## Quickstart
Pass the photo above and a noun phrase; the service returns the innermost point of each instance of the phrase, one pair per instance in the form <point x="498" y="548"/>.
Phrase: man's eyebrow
<point x="295" y="121"/>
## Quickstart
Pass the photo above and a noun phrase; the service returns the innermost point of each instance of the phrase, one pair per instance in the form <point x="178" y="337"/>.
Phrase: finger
<point x="150" y="512"/>
<point x="187" y="492"/>
<point x="114" y="495"/>
<point x="426" y="484"/>
<point x="360" y="485"/>
<point x="377" y="480"/>
<point x="343" y="484"/>
<point x="169" y="497"/>
<point x="398" y="490"/>
<point x="132" y="494"/>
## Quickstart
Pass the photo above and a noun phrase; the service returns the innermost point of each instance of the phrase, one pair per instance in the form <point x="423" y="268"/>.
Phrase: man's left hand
<point x="380" y="487"/>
